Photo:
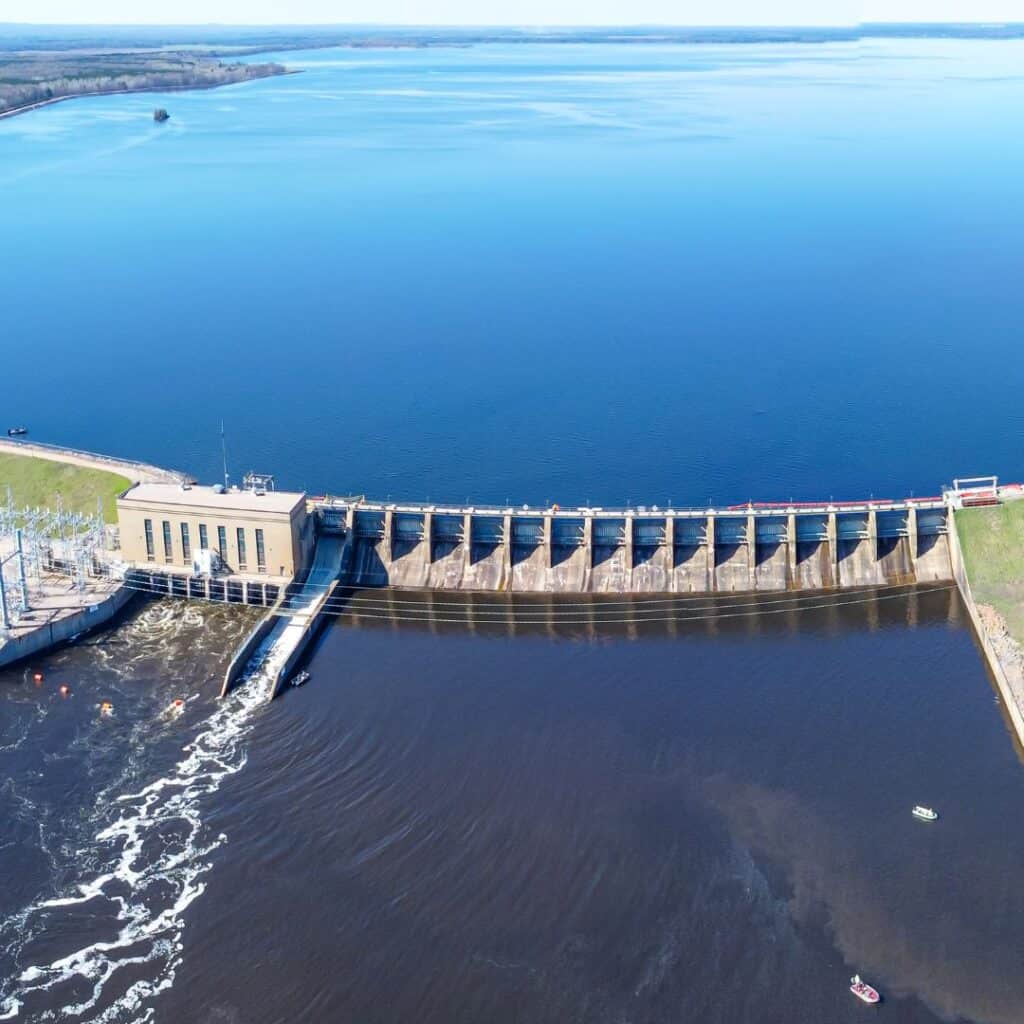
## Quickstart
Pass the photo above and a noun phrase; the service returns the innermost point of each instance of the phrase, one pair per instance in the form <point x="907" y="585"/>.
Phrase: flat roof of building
<point x="201" y="496"/>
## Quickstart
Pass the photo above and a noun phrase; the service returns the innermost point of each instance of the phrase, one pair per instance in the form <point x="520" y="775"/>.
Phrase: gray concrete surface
<point x="647" y="551"/>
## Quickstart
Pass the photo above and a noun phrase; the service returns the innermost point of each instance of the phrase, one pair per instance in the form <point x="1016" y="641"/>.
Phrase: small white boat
<point x="302" y="677"/>
<point x="862" y="990"/>
<point x="924" y="813"/>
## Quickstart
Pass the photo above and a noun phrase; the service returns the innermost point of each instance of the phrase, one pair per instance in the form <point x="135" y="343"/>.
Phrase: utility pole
<point x="23" y="582"/>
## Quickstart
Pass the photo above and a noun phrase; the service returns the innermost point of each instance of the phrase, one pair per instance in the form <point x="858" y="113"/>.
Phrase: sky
<point x="506" y="12"/>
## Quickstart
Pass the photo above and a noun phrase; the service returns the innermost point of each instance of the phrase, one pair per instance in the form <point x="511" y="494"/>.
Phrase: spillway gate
<point x="642" y="550"/>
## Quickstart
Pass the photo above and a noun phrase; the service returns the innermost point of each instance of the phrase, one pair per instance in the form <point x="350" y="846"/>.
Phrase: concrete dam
<point x="643" y="550"/>
<point x="303" y="559"/>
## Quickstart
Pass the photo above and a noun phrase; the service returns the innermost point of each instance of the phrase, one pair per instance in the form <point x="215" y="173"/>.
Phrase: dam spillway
<point x="644" y="550"/>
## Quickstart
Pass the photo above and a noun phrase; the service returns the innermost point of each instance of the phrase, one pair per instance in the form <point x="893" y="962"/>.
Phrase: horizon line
<point x="511" y="26"/>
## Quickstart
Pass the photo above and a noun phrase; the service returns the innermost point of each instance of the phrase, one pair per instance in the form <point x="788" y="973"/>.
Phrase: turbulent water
<point x="104" y="831"/>
<point x="579" y="273"/>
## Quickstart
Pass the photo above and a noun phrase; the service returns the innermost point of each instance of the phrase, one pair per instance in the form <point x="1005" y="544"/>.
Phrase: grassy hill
<point x="992" y="540"/>
<point x="36" y="481"/>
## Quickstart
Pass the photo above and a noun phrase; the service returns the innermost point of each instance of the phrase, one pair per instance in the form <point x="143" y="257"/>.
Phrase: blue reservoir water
<point x="568" y="273"/>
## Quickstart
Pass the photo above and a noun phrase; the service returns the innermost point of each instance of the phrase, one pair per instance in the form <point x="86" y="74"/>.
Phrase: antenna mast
<point x="224" y="454"/>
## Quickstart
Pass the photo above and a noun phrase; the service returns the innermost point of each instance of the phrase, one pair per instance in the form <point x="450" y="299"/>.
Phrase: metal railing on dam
<point x="753" y="547"/>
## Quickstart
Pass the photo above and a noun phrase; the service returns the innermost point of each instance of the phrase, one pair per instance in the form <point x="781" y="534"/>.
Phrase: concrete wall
<point x="592" y="551"/>
<point x="63" y="629"/>
<point x="250" y="645"/>
<point x="287" y="629"/>
<point x="315" y="623"/>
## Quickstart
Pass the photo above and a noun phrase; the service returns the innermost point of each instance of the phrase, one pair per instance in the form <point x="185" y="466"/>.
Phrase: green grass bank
<point x="37" y="482"/>
<point x="992" y="541"/>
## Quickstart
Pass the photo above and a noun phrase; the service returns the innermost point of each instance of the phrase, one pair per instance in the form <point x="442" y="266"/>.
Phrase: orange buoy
<point x="38" y="677"/>
<point x="64" y="689"/>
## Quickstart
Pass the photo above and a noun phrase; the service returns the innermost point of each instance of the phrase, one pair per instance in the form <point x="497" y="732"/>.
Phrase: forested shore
<point x="30" y="80"/>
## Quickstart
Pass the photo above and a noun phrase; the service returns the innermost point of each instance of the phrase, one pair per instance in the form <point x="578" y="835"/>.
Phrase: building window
<point x="168" y="550"/>
<point x="261" y="553"/>
<point x="150" y="546"/>
<point x="240" y="535"/>
<point x="204" y="540"/>
<point x="186" y="544"/>
<point x="222" y="543"/>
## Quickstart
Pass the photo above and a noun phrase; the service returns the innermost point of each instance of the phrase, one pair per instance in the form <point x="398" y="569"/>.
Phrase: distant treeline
<point x="43" y="63"/>
<point x="220" y="40"/>
<point x="27" y="79"/>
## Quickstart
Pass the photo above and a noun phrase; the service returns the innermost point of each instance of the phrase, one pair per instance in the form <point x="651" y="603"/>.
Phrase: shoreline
<point x="137" y="472"/>
<point x="1000" y="652"/>
<point x="39" y="104"/>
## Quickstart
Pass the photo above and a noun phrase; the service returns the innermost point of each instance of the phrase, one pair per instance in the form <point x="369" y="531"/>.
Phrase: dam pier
<point x="643" y="550"/>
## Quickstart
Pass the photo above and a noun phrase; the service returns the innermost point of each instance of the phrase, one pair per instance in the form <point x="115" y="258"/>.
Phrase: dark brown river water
<point x="698" y="819"/>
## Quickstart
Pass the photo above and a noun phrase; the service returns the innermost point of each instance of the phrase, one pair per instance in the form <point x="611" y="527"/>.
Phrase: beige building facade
<point x="261" y="533"/>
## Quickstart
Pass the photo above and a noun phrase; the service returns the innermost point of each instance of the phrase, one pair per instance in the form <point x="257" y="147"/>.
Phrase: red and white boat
<point x="862" y="990"/>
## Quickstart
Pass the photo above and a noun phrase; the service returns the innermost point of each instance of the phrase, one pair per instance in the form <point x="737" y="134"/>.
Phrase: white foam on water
<point x="147" y="892"/>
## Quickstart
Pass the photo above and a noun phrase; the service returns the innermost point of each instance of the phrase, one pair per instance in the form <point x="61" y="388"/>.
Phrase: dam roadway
<point x="754" y="547"/>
